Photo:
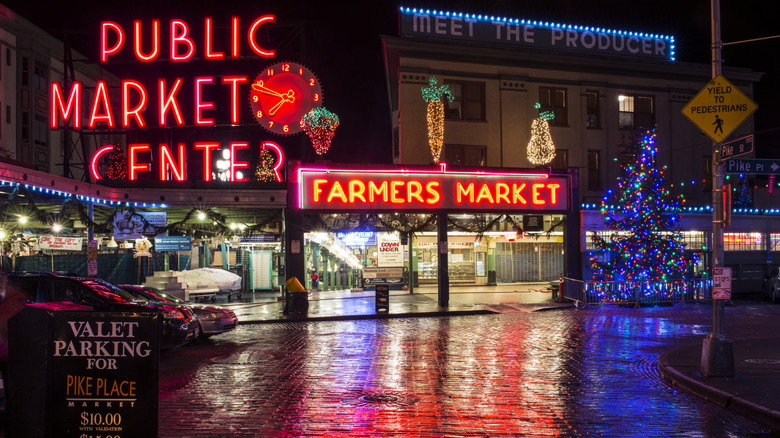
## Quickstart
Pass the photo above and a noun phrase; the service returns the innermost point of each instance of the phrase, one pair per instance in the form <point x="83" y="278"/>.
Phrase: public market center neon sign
<point x="146" y="45"/>
<point x="404" y="189"/>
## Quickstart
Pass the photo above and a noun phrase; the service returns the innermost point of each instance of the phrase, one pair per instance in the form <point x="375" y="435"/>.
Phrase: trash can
<point x="382" y="297"/>
<point x="297" y="298"/>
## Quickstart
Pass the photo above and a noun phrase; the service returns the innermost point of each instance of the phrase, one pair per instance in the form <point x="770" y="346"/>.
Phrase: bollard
<point x="297" y="299"/>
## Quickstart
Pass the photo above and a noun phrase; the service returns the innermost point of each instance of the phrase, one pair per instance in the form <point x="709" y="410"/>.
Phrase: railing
<point x="637" y="293"/>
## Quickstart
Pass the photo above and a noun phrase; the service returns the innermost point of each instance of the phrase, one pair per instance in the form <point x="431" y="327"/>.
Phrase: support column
<point x="325" y="270"/>
<point x="414" y="280"/>
<point x="443" y="268"/>
<point x="295" y="255"/>
<point x="315" y="261"/>
<point x="491" y="262"/>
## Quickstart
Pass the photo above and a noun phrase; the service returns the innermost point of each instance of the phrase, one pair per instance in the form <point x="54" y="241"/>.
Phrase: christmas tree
<point x="644" y="245"/>
<point x="117" y="164"/>
<point x="320" y="125"/>
<point x="541" y="149"/>
<point x="264" y="171"/>
<point x="435" y="96"/>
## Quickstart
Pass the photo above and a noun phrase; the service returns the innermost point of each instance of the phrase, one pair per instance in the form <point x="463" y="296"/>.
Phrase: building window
<point x="554" y="99"/>
<point x="41" y="131"/>
<point x="707" y="171"/>
<point x="8" y="114"/>
<point x="743" y="242"/>
<point x="636" y="112"/>
<point x="41" y="77"/>
<point x="468" y="101"/>
<point x="25" y="71"/>
<point x="8" y="56"/>
<point x="561" y="160"/>
<point x="465" y="155"/>
<point x="594" y="170"/>
<point x="592" y="110"/>
<point x="25" y="126"/>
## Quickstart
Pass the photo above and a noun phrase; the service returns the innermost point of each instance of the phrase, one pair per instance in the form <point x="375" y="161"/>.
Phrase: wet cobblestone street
<point x="565" y="372"/>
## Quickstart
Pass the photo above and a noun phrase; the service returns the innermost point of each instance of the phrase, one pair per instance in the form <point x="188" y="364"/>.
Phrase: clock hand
<point x="287" y="97"/>
<point x="257" y="86"/>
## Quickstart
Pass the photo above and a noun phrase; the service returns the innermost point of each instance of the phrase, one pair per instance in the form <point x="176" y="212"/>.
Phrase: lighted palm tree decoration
<point x="435" y="96"/>
<point x="320" y="125"/>
<point x="541" y="149"/>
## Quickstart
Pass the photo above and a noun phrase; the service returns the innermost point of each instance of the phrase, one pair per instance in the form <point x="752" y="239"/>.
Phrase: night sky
<point x="341" y="44"/>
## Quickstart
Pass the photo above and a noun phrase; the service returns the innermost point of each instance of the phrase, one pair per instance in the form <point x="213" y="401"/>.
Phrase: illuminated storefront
<point x="414" y="218"/>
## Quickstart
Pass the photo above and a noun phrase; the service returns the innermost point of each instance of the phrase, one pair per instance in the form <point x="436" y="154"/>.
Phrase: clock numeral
<point x="270" y="72"/>
<point x="301" y="123"/>
<point x="300" y="72"/>
<point x="316" y="97"/>
<point x="285" y="67"/>
<point x="270" y="123"/>
<point x="259" y="114"/>
<point x="311" y="82"/>
<point x="286" y="128"/>
<point x="255" y="98"/>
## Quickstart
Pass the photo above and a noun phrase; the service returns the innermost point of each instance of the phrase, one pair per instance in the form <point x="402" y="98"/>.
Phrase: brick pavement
<point x="568" y="372"/>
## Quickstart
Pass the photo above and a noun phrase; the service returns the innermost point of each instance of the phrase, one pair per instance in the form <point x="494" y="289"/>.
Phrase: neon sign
<point x="172" y="166"/>
<point x="336" y="189"/>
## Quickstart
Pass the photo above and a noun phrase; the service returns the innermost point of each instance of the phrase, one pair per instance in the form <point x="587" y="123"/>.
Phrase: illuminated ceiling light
<point x="201" y="216"/>
<point x="22" y="219"/>
<point x="56" y="228"/>
<point x="3" y="235"/>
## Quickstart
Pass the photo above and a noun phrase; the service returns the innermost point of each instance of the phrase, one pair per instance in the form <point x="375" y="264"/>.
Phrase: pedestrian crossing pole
<point x="717" y="354"/>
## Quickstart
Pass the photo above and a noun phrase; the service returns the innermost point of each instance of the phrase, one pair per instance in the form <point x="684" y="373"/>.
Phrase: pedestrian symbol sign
<point x="719" y="108"/>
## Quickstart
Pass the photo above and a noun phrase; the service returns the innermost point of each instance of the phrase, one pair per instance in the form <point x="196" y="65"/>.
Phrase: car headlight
<point x="212" y="315"/>
<point x="173" y="313"/>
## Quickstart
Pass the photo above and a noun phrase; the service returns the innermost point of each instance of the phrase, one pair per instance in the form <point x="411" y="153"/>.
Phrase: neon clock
<point x="282" y="94"/>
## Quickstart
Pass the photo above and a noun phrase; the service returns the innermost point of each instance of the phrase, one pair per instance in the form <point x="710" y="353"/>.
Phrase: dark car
<point x="212" y="320"/>
<point x="770" y="288"/>
<point x="193" y="330"/>
<point x="100" y="295"/>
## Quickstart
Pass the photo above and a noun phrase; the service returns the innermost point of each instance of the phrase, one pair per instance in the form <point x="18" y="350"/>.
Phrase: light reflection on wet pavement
<point x="567" y="372"/>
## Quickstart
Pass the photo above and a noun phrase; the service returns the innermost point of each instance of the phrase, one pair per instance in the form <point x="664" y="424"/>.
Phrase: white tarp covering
<point x="209" y="278"/>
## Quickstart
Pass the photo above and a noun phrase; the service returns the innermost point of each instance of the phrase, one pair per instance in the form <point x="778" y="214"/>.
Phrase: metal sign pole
<point x="717" y="356"/>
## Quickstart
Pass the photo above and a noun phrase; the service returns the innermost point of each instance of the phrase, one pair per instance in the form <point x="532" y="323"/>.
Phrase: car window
<point x="56" y="290"/>
<point x="28" y="286"/>
<point x="107" y="289"/>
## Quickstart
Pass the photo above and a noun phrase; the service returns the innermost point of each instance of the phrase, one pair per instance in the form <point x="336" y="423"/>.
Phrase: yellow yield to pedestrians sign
<point x="719" y="108"/>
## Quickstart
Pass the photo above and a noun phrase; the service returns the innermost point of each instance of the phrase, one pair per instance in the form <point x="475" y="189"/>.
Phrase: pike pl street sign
<point x="755" y="167"/>
<point x="719" y="108"/>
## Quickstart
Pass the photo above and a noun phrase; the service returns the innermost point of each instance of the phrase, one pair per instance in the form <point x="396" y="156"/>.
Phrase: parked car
<point x="42" y="287"/>
<point x="193" y="331"/>
<point x="770" y="288"/>
<point x="212" y="319"/>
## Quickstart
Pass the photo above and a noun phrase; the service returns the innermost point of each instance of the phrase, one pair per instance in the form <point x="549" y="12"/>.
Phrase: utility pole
<point x="717" y="354"/>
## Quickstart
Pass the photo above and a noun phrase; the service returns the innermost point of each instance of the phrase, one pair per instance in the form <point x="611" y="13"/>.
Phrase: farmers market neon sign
<point x="341" y="189"/>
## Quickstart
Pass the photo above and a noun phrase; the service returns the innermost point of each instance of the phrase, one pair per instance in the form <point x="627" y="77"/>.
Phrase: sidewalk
<point x="754" y="391"/>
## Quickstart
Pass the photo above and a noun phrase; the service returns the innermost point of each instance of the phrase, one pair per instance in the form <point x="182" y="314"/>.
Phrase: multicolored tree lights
<point x="541" y="149"/>
<point x="320" y="125"/>
<point x="265" y="167"/>
<point x="644" y="246"/>
<point x="435" y="96"/>
<point x="117" y="164"/>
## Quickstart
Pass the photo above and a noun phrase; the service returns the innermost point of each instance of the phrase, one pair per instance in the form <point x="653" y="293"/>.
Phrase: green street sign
<point x="752" y="166"/>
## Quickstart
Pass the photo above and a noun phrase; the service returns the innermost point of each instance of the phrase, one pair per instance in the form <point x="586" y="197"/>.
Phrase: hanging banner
<point x="59" y="242"/>
<point x="133" y="226"/>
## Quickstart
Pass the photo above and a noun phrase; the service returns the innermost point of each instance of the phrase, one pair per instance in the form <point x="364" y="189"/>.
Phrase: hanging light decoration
<point x="541" y="149"/>
<point x="320" y="125"/>
<point x="435" y="96"/>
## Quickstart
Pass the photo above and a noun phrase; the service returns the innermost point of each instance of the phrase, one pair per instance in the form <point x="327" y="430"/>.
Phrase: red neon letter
<point x="237" y="164"/>
<point x="517" y="194"/>
<point x="179" y="31"/>
<point x="207" y="147"/>
<point x="356" y="190"/>
<point x="95" y="158"/>
<point x="209" y="40"/>
<point x="394" y="192"/>
<point x="234" y="51"/>
<point x="535" y="194"/>
<point x="279" y="157"/>
<point x="120" y="39"/>
<point x="58" y="106"/>
<point x="553" y="192"/>
<point x="380" y="190"/>
<point x="317" y="190"/>
<point x="127" y="112"/>
<point x="484" y="193"/>
<point x="169" y="102"/>
<point x="132" y="160"/>
<point x="199" y="105"/>
<point x="460" y="192"/>
<point x="234" y="81"/>
<point x="101" y="97"/>
<point x="433" y="189"/>
<point x="253" y="30"/>
<point x="167" y="161"/>
<point x="414" y="190"/>
<point x="337" y="192"/>
<point x="155" y="41"/>
<point x="502" y="192"/>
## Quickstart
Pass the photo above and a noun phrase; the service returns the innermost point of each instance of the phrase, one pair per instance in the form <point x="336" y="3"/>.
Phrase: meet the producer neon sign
<point x="329" y="189"/>
<point x="137" y="100"/>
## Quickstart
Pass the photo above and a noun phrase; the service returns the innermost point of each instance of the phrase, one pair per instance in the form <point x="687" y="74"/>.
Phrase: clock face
<point x="282" y="94"/>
